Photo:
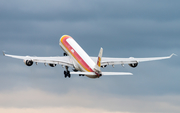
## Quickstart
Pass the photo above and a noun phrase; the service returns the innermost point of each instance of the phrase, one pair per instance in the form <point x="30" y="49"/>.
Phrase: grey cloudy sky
<point x="124" y="28"/>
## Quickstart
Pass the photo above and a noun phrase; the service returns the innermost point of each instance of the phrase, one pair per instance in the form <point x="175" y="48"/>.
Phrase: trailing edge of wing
<point x="114" y="61"/>
<point x="54" y="60"/>
<point x="103" y="73"/>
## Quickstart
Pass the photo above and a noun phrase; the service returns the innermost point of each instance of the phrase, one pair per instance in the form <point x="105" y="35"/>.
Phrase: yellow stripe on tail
<point x="98" y="66"/>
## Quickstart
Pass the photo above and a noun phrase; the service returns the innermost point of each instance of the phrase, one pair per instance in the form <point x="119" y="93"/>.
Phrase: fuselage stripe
<point x="73" y="52"/>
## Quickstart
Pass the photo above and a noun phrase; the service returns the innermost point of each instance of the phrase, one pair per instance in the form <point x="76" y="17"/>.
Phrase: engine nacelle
<point x="133" y="65"/>
<point x="52" y="65"/>
<point x="28" y="62"/>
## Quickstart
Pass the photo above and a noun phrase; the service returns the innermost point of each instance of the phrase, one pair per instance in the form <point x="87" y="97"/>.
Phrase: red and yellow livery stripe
<point x="74" y="53"/>
<point x="99" y="61"/>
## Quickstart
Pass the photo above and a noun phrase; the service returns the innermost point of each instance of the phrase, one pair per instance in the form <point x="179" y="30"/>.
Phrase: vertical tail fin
<point x="98" y="65"/>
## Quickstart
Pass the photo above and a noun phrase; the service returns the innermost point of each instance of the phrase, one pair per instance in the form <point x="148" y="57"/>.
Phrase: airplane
<point x="81" y="62"/>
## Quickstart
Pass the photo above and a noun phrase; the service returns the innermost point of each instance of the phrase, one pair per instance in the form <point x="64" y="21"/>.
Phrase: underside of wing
<point x="130" y="60"/>
<point x="65" y="60"/>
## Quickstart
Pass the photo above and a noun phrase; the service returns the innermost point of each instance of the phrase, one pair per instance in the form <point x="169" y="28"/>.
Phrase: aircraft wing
<point x="65" y="60"/>
<point x="131" y="60"/>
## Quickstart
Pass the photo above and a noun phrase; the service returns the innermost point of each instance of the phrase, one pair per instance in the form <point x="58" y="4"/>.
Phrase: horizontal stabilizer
<point x="116" y="73"/>
<point x="83" y="73"/>
<point x="103" y="73"/>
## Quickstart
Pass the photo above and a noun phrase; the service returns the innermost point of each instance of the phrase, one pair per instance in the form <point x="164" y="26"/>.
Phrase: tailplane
<point x="103" y="73"/>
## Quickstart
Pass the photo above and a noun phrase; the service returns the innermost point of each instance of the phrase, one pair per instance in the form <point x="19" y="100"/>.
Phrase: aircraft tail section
<point x="98" y="65"/>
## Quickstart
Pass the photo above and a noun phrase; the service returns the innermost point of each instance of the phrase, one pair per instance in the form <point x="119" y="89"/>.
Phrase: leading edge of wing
<point x="64" y="60"/>
<point x="154" y="58"/>
<point x="113" y="61"/>
<point x="103" y="73"/>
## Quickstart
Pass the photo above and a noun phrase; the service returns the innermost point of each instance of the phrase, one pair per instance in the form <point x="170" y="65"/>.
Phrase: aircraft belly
<point x="81" y="55"/>
<point x="75" y="62"/>
<point x="92" y="76"/>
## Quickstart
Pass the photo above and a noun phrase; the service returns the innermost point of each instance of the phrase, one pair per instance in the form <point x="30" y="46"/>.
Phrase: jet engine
<point x="52" y="65"/>
<point x="133" y="65"/>
<point x="28" y="62"/>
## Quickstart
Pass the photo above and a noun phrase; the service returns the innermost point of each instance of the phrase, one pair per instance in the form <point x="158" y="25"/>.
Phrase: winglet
<point x="172" y="55"/>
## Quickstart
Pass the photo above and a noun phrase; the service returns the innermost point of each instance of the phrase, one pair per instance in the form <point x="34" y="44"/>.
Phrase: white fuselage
<point x="80" y="59"/>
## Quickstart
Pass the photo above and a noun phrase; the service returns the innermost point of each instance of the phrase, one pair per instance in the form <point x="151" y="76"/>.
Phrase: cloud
<point x="89" y="10"/>
<point x="77" y="100"/>
<point x="55" y="110"/>
<point x="131" y="24"/>
<point x="126" y="28"/>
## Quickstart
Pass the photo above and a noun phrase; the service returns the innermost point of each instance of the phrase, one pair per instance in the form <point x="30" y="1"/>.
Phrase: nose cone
<point x="64" y="38"/>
